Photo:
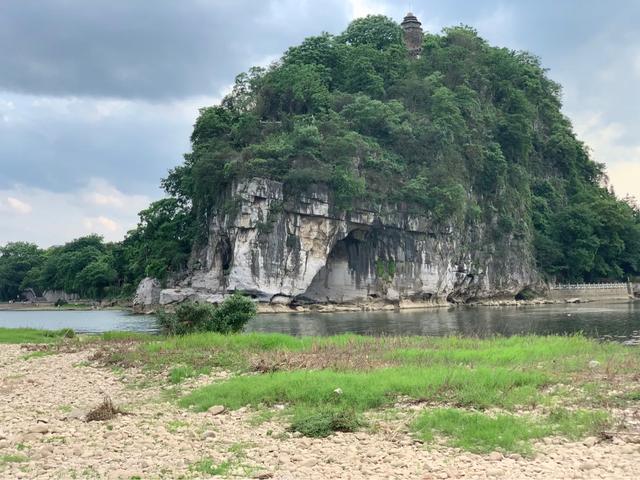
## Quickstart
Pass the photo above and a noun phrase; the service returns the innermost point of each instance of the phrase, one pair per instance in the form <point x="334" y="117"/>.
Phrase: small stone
<point x="310" y="462"/>
<point x="216" y="409"/>
<point x="208" y="434"/>
<point x="588" y="466"/>
<point x="590" y="441"/>
<point x="594" y="364"/>
<point x="4" y="444"/>
<point x="40" y="428"/>
<point x="338" y="391"/>
<point x="495" y="456"/>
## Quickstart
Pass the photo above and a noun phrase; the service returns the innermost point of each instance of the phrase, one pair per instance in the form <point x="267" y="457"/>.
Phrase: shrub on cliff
<point x="229" y="317"/>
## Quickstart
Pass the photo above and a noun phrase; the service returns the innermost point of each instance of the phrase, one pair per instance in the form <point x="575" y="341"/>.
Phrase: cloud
<point x="157" y="50"/>
<point x="56" y="217"/>
<point x="101" y="224"/>
<point x="362" y="8"/>
<point x="59" y="143"/>
<point x="625" y="177"/>
<point x="607" y="145"/>
<point x="102" y="194"/>
<point x="19" y="206"/>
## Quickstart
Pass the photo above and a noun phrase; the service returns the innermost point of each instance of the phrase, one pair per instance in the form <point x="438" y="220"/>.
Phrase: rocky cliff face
<point x="299" y="250"/>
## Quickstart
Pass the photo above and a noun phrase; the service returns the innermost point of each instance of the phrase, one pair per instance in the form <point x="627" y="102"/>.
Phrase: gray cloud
<point x="105" y="92"/>
<point x="152" y="49"/>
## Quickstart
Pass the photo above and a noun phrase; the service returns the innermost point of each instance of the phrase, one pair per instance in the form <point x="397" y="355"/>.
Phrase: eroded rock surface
<point x="299" y="249"/>
<point x="147" y="294"/>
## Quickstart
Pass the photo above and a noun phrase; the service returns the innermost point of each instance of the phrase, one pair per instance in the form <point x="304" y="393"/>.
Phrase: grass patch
<point x="261" y="417"/>
<point x="481" y="433"/>
<point x="366" y="390"/>
<point x="274" y="352"/>
<point x="237" y="453"/>
<point x="633" y="396"/>
<point x="209" y="467"/>
<point x="568" y="352"/>
<point x="323" y="421"/>
<point x="175" y="425"/>
<point x="37" y="354"/>
<point x="13" y="459"/>
<point x="375" y="372"/>
<point x="117" y="336"/>
<point x="31" y="335"/>
<point x="181" y="373"/>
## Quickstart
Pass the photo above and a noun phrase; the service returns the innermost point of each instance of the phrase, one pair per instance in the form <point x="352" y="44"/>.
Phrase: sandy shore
<point x="42" y="435"/>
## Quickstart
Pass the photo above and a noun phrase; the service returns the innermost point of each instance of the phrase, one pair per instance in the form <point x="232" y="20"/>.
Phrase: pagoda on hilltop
<point x="412" y="34"/>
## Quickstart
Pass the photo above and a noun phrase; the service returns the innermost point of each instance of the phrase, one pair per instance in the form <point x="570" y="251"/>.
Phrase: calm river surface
<point x="620" y="320"/>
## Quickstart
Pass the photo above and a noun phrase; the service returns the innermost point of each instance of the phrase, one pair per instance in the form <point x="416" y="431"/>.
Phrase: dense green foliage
<point x="85" y="266"/>
<point x="91" y="268"/>
<point x="229" y="317"/>
<point x="467" y="133"/>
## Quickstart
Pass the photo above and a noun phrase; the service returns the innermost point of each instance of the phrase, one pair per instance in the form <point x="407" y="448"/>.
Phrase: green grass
<point x="208" y="467"/>
<point x="237" y="453"/>
<point x="323" y="421"/>
<point x="37" y="354"/>
<point x="13" y="459"/>
<point x="31" y="335"/>
<point x="507" y="373"/>
<point x="482" y="387"/>
<point x="175" y="425"/>
<point x="127" y="336"/>
<point x="481" y="433"/>
<point x="518" y="350"/>
<point x="233" y="352"/>
<point x="515" y="373"/>
<point x="180" y="373"/>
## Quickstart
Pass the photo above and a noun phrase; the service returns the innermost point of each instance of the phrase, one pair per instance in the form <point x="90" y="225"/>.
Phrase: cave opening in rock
<point x="224" y="253"/>
<point x="344" y="276"/>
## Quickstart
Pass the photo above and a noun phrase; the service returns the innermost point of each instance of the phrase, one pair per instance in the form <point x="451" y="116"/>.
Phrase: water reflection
<point x="617" y="320"/>
<point x="93" y="321"/>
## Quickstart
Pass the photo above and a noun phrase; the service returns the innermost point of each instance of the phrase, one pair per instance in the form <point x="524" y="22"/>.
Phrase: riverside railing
<point x="588" y="286"/>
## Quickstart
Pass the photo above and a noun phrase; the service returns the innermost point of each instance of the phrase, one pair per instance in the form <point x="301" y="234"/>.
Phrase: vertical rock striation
<point x="300" y="250"/>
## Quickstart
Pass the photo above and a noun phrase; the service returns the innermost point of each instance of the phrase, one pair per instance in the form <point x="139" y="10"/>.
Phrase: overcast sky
<point x="98" y="98"/>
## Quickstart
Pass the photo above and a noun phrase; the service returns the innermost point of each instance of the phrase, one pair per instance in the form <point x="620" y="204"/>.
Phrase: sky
<point x="98" y="99"/>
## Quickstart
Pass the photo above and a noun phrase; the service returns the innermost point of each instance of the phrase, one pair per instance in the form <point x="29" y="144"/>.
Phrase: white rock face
<point x="147" y="294"/>
<point x="55" y="295"/>
<point x="300" y="250"/>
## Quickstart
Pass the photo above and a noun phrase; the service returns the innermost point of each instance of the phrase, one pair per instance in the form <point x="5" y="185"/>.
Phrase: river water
<point x="620" y="321"/>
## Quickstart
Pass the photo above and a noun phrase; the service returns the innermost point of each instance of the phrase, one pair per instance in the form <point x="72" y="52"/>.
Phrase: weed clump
<point x="324" y="421"/>
<point x="229" y="317"/>
<point x="105" y="411"/>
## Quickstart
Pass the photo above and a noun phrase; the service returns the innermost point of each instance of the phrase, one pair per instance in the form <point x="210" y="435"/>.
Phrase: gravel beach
<point x="43" y="435"/>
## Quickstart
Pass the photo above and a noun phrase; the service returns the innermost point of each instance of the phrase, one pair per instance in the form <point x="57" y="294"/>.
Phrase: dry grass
<point x="105" y="411"/>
